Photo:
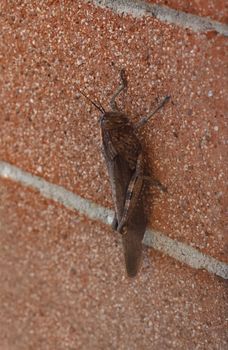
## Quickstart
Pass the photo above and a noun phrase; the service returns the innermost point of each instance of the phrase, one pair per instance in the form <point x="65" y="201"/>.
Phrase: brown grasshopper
<point x="124" y="159"/>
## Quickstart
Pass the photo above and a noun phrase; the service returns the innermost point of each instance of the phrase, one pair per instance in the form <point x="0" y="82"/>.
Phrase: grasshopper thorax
<point x="113" y="120"/>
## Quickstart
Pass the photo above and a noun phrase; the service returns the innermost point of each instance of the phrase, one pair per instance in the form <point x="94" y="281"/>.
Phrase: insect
<point x="124" y="159"/>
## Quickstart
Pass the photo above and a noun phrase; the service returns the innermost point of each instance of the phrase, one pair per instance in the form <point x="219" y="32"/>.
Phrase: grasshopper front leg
<point x="144" y="120"/>
<point x="123" y="85"/>
<point x="133" y="193"/>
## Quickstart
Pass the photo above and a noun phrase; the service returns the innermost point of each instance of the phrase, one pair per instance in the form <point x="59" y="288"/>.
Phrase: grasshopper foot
<point x="155" y="183"/>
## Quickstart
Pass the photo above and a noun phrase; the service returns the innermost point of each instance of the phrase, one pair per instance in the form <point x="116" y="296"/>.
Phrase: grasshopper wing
<point x="120" y="175"/>
<point x="132" y="239"/>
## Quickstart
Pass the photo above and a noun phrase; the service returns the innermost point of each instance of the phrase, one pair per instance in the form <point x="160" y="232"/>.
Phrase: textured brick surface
<point x="215" y="9"/>
<point x="63" y="286"/>
<point x="49" y="130"/>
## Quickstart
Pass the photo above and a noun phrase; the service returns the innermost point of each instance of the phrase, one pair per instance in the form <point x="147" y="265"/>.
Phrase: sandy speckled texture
<point x="47" y="128"/>
<point x="63" y="286"/>
<point x="215" y="9"/>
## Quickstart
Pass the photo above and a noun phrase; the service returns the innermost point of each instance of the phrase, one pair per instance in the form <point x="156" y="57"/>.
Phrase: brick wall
<point x="63" y="281"/>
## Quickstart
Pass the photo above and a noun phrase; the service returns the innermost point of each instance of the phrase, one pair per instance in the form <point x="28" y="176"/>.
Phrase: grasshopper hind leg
<point x="123" y="85"/>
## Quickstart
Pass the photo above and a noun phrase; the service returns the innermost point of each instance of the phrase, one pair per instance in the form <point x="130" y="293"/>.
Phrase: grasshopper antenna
<point x="99" y="107"/>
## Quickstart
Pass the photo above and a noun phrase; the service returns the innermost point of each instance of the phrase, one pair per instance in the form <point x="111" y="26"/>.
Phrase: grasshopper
<point x="124" y="159"/>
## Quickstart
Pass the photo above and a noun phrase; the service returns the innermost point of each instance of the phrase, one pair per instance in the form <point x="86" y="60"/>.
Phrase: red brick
<point x="49" y="130"/>
<point x="63" y="286"/>
<point x="215" y="9"/>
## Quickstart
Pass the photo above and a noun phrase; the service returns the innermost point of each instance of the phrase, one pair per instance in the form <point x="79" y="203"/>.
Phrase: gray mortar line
<point x="159" y="241"/>
<point x="138" y="8"/>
